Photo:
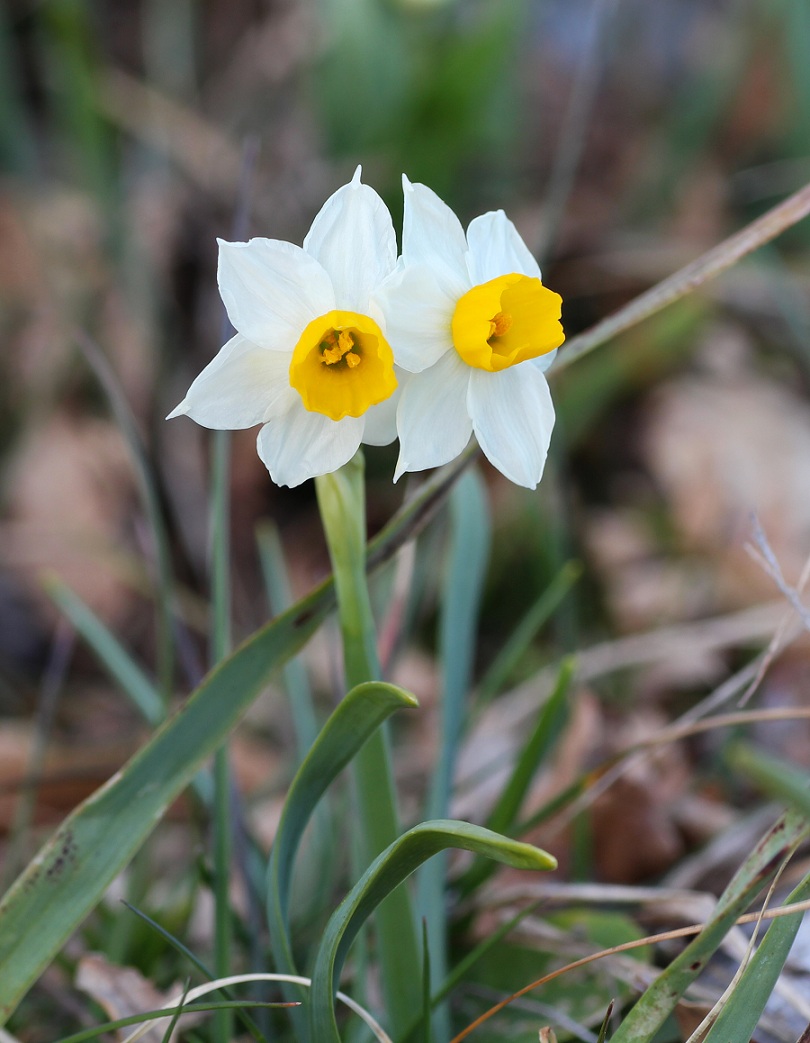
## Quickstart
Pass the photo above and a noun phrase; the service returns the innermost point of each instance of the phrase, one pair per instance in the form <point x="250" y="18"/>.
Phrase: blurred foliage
<point x="442" y="74"/>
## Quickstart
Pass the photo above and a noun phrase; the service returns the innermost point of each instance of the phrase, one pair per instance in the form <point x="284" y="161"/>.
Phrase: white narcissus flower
<point x="470" y="318"/>
<point x="310" y="360"/>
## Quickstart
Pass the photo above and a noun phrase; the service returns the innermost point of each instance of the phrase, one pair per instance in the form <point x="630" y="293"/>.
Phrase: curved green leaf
<point x="355" y="719"/>
<point x="385" y="873"/>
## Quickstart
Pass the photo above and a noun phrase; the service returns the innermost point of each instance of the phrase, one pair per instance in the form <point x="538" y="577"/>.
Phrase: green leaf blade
<point x="650" y="1012"/>
<point x="739" y="1017"/>
<point x="366" y="707"/>
<point x="108" y="649"/>
<point x="69" y="875"/>
<point x="385" y="873"/>
<point x="775" y="777"/>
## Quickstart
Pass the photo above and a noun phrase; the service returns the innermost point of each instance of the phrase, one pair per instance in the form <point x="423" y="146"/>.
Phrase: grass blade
<point x="464" y="965"/>
<point x="659" y="1000"/>
<point x="738" y="1018"/>
<point x="150" y="495"/>
<point x="167" y="1035"/>
<point x="773" y="776"/>
<point x="158" y="1015"/>
<point x="110" y="652"/>
<point x="471" y="539"/>
<point x="427" y="1036"/>
<point x="503" y="665"/>
<point x="605" y="1023"/>
<point x="184" y="951"/>
<point x="279" y="597"/>
<point x="550" y="723"/>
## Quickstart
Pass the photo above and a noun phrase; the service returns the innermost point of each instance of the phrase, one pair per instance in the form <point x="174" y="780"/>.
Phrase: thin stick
<point x="725" y="720"/>
<point x="708" y="266"/>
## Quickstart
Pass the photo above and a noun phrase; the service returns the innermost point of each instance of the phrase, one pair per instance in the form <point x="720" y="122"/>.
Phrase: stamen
<point x="338" y="345"/>
<point x="352" y="360"/>
<point x="331" y="355"/>
<point x="499" y="324"/>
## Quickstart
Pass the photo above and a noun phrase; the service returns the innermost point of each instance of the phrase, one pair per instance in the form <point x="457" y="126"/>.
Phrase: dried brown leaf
<point x="123" y="991"/>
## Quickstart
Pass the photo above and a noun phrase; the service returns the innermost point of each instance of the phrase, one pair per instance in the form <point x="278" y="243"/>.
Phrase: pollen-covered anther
<point x="337" y="346"/>
<point x="499" y="324"/>
<point x="331" y="355"/>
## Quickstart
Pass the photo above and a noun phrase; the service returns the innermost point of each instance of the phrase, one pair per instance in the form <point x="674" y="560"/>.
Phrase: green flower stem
<point x="341" y="498"/>
<point x="220" y="647"/>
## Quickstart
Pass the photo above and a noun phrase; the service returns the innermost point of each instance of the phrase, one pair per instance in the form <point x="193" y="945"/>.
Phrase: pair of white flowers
<point x="340" y="343"/>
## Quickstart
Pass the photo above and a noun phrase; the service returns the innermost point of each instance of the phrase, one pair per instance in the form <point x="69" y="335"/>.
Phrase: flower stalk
<point x="220" y="647"/>
<point x="341" y="499"/>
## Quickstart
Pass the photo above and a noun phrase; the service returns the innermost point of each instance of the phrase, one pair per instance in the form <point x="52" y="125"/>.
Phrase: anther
<point x="499" y="324"/>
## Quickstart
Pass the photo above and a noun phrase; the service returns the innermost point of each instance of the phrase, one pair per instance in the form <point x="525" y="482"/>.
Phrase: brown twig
<point x="692" y="276"/>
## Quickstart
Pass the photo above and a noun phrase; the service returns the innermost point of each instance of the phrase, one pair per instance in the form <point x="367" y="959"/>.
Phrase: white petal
<point x="432" y="235"/>
<point x="300" y="445"/>
<point x="381" y="420"/>
<point x="354" y="239"/>
<point x="418" y="315"/>
<point x="497" y="249"/>
<point x="271" y="290"/>
<point x="513" y="416"/>
<point x="242" y="386"/>
<point x="432" y="420"/>
<point x="544" y="362"/>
